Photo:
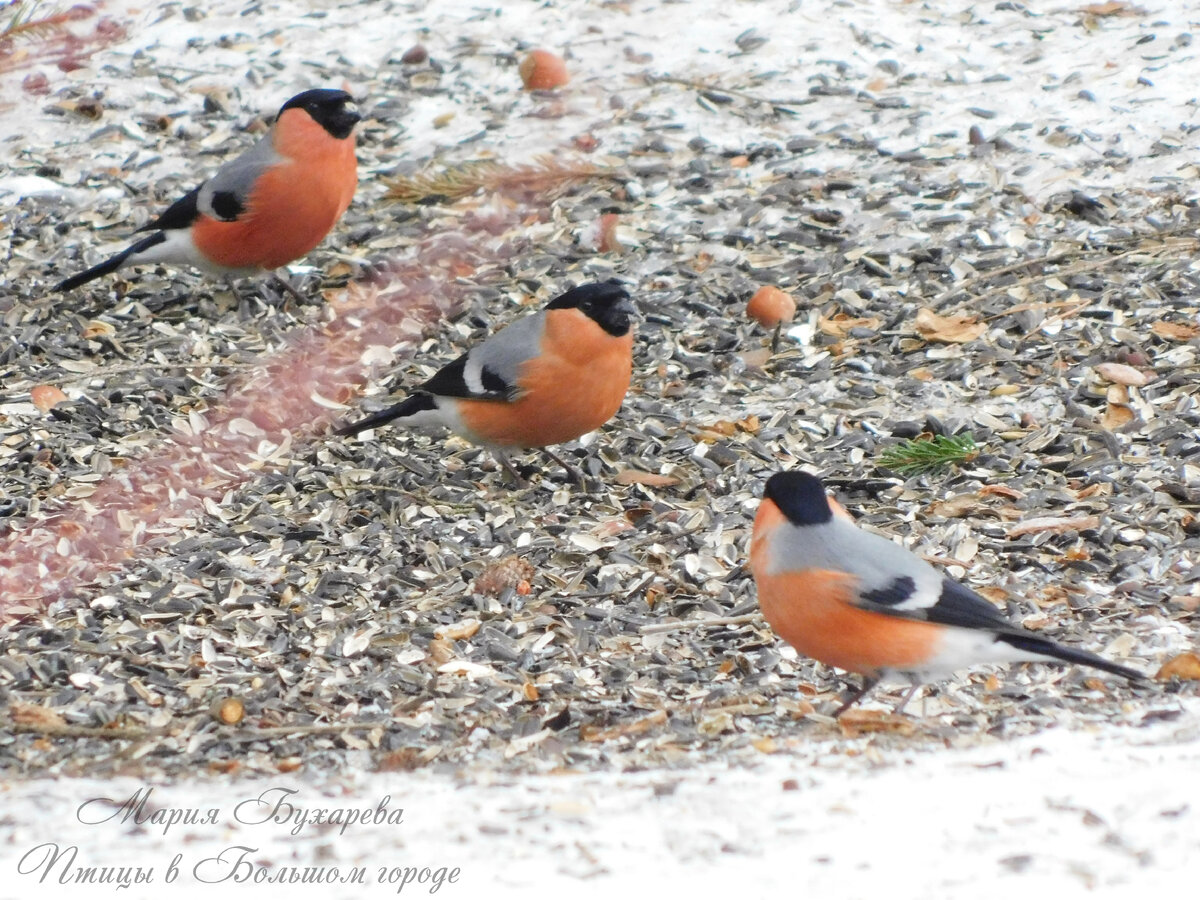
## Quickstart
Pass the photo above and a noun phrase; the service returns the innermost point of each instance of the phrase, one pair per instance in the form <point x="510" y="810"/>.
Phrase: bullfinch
<point x="860" y="602"/>
<point x="269" y="206"/>
<point x="545" y="379"/>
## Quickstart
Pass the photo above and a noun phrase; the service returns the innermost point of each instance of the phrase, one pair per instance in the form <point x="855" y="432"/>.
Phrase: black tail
<point x="406" y="407"/>
<point x="1046" y="647"/>
<point x="109" y="265"/>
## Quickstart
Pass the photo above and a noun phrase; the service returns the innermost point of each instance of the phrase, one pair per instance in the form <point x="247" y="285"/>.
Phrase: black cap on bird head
<point x="332" y="110"/>
<point x="606" y="303"/>
<point x="800" y="497"/>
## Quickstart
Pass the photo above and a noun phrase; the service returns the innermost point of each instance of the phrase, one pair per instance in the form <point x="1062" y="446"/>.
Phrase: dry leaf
<point x="713" y="723"/>
<point x="96" y="328"/>
<point x="406" y="759"/>
<point x="1119" y="373"/>
<point x="459" y="631"/>
<point x="611" y="527"/>
<point x="1117" y="413"/>
<point x="624" y="729"/>
<point x="1050" y="596"/>
<point x="997" y="595"/>
<point x="650" y="479"/>
<point x="1001" y="490"/>
<point x="750" y="424"/>
<point x="1054" y="524"/>
<point x="764" y="745"/>
<point x="32" y="714"/>
<point x="1190" y="602"/>
<point x="840" y="324"/>
<point x="653" y="593"/>
<point x="855" y="722"/>
<point x="948" y="329"/>
<point x="954" y="507"/>
<point x="1185" y="666"/>
<point x="289" y="764"/>
<point x="714" y="431"/>
<point x="440" y="651"/>
<point x="1175" y="331"/>
<point x="1113" y="8"/>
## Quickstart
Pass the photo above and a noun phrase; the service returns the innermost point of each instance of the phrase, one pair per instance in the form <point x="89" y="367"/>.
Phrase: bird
<point x="859" y="602"/>
<point x="544" y="379"/>
<point x="263" y="209"/>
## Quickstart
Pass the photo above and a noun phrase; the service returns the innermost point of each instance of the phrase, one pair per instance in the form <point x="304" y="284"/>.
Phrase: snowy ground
<point x="1065" y="814"/>
<point x="1087" y="810"/>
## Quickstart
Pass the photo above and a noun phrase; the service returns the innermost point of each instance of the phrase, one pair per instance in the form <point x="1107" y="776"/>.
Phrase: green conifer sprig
<point x="929" y="453"/>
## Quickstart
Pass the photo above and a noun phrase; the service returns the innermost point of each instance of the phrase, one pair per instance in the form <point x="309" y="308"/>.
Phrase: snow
<point x="1062" y="813"/>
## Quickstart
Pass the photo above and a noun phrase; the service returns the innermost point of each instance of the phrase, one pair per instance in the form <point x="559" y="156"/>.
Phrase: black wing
<point x="955" y="605"/>
<point x="180" y="214"/>
<point x="960" y="607"/>
<point x="450" y="382"/>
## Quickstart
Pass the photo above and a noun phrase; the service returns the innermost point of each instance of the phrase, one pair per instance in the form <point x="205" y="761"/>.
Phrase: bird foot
<point x="573" y="474"/>
<point x="856" y="695"/>
<point x="289" y="288"/>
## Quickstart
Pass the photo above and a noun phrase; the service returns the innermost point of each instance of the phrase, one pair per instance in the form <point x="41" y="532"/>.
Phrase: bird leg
<point x="231" y="283"/>
<point x="501" y="457"/>
<point x="857" y="695"/>
<point x="572" y="474"/>
<point x="908" y="695"/>
<point x="247" y="302"/>
<point x="288" y="286"/>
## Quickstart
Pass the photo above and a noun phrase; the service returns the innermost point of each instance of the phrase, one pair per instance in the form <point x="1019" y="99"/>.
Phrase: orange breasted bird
<point x="264" y="209"/>
<point x="862" y="603"/>
<point x="544" y="379"/>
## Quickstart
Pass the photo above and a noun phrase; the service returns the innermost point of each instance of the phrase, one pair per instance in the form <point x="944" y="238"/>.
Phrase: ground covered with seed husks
<point x="987" y="216"/>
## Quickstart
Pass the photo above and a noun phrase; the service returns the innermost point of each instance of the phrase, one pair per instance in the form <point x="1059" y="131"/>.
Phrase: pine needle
<point x="20" y="22"/>
<point x="464" y="179"/>
<point x="929" y="453"/>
